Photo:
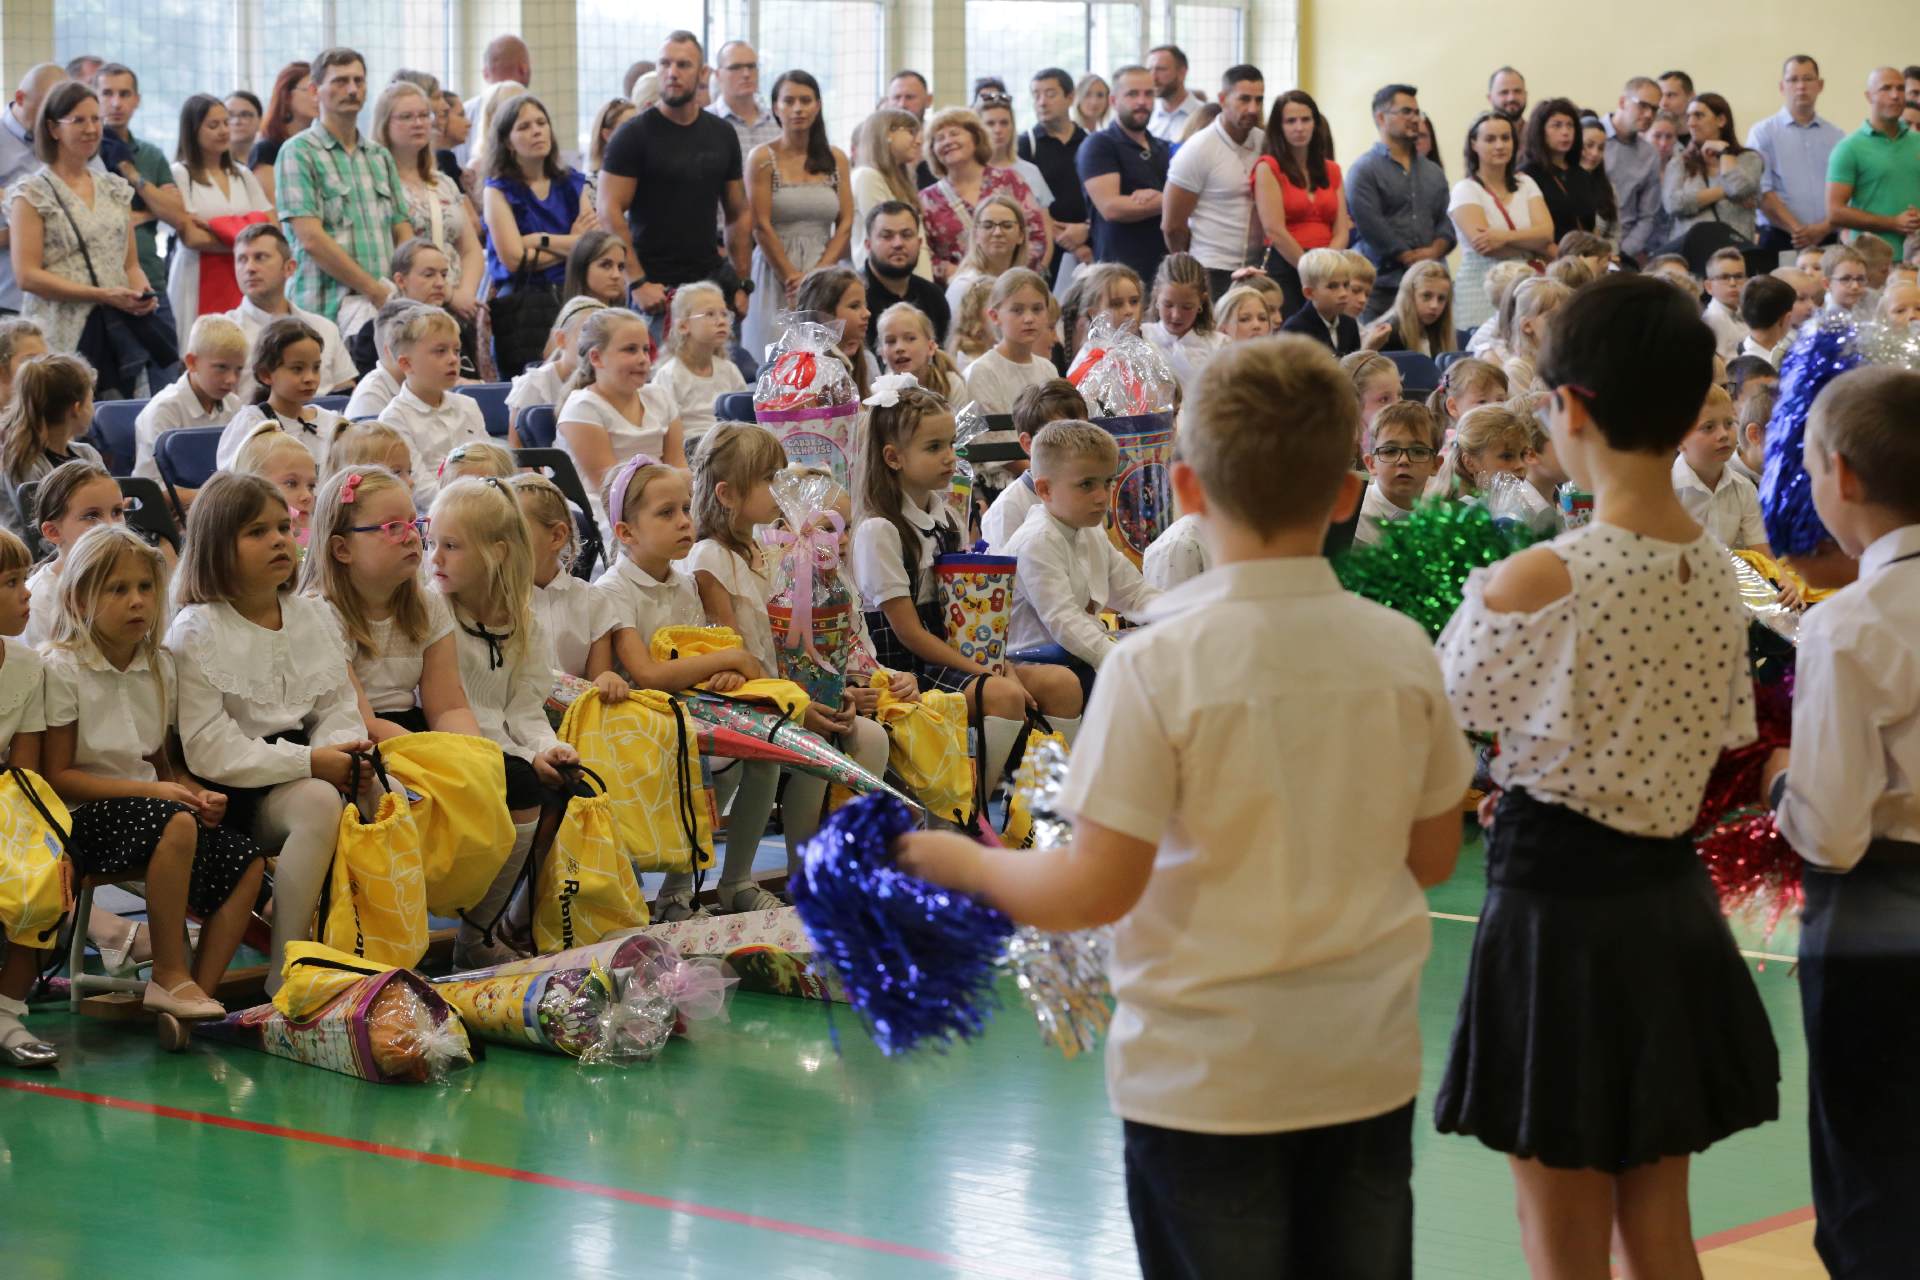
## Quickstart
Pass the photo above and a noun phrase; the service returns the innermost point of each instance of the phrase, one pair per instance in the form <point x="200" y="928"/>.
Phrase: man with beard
<point x="893" y="247"/>
<point x="1209" y="199"/>
<point x="1507" y="94"/>
<point x="1168" y="67"/>
<point x="669" y="172"/>
<point x="1124" y="169"/>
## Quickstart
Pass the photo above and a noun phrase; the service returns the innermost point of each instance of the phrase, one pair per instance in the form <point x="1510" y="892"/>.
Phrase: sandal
<point x="123" y="959"/>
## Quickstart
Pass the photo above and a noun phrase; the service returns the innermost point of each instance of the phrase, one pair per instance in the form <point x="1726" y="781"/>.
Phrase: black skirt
<point x="890" y="653"/>
<point x="1609" y="1020"/>
<point x="115" y="839"/>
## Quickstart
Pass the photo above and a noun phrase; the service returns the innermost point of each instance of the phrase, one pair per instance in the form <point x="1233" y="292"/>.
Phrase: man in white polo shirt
<point x="1208" y="210"/>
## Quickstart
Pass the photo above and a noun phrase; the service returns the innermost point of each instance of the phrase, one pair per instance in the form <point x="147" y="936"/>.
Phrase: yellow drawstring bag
<point x="927" y="747"/>
<point x="669" y="643"/>
<point x="1018" y="832"/>
<point x="377" y="893"/>
<point x="315" y="975"/>
<point x="648" y="751"/>
<point x="586" y="888"/>
<point x="458" y="798"/>
<point x="36" y="876"/>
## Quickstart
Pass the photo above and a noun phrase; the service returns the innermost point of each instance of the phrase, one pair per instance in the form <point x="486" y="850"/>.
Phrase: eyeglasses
<point x="395" y="531"/>
<point x="1403" y="453"/>
<point x="1735" y="278"/>
<point x="999" y="225"/>
<point x="410" y="117"/>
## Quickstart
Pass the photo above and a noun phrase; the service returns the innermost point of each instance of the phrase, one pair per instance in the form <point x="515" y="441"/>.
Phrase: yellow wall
<point x="1447" y="48"/>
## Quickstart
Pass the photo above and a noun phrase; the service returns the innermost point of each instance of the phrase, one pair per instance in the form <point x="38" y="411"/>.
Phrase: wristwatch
<point x="546" y="241"/>
<point x="745" y="286"/>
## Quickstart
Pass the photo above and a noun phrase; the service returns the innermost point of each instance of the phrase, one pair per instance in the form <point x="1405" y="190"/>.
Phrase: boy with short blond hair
<point x="1324" y="276"/>
<point x="1210" y="784"/>
<point x="427" y="411"/>
<point x="381" y="384"/>
<point x="1750" y="418"/>
<point x="1716" y="495"/>
<point x="206" y="395"/>
<point x="1844" y="799"/>
<point x="1051" y="401"/>
<point x="1361" y="275"/>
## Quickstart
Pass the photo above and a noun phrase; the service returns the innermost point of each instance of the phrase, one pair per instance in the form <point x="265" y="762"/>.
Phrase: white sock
<point x="1068" y="729"/>
<point x="1000" y="738"/>
<point x="494" y="904"/>
<point x="747" y="820"/>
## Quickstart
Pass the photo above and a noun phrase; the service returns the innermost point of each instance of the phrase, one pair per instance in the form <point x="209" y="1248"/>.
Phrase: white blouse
<point x="23" y="707"/>
<point x="372" y="394"/>
<point x="748" y="588"/>
<point x="573" y="616"/>
<point x="1616" y="699"/>
<point x="879" y="564"/>
<point x="639" y="600"/>
<point x="507" y="686"/>
<point x="696" y="396"/>
<point x="43" y="602"/>
<point x="241" y="683"/>
<point x="432" y="432"/>
<point x="390" y="675"/>
<point x="122" y="716"/>
<point x="625" y="438"/>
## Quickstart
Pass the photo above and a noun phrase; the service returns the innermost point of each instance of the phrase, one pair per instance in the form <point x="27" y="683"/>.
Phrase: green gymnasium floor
<point x="753" y="1150"/>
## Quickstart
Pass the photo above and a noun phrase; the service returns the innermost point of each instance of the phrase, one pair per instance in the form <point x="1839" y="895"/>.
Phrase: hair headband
<point x="617" y="508"/>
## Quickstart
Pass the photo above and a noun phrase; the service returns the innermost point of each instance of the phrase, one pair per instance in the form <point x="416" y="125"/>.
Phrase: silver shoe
<point x="19" y="1048"/>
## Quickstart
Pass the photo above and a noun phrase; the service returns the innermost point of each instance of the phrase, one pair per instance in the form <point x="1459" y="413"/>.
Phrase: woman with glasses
<point x="1714" y="178"/>
<point x="403" y="123"/>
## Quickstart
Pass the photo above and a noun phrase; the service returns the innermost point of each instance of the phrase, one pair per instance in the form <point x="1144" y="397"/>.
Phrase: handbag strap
<point x="81" y="239"/>
<point x="1498" y="203"/>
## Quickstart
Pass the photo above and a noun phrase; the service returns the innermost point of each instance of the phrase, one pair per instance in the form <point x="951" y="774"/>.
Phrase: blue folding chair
<point x="1416" y="370"/>
<point x="1447" y="359"/>
<point x="557" y="466"/>
<point x="336" y="403"/>
<point x="187" y="457"/>
<point x="734" y="406"/>
<point x="113" y="434"/>
<point x="493" y="404"/>
<point x="539" y="424"/>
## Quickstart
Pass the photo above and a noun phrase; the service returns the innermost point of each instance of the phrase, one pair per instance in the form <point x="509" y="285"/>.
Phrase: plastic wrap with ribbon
<point x="1141" y="505"/>
<point x="976" y="599"/>
<point x="806" y="396"/>
<point x="812" y="606"/>
<point x="559" y="1011"/>
<point x="969" y="425"/>
<point x="1120" y="374"/>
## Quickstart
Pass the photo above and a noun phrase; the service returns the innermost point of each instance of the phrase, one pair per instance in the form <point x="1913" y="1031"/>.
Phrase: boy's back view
<point x="1269" y="774"/>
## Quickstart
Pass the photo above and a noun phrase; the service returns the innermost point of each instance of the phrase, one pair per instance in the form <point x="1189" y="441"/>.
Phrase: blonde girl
<point x="907" y="345"/>
<point x="1021" y="311"/>
<point x="272" y="453"/>
<point x="698" y="369"/>
<point x="1488" y="439"/>
<point x="364" y="562"/>
<point x="286" y="374"/>
<point x="970" y="336"/>
<point x="110" y="704"/>
<point x="482" y="566"/>
<point x="1523" y="327"/>
<point x="52" y="408"/>
<point x="1181" y="323"/>
<point x="548" y="382"/>
<point x="1244" y="314"/>
<point x="1422" y="312"/>
<point x="370" y="444"/>
<point x="20" y="341"/>
<point x="480" y="458"/>
<point x="996" y="245"/>
<point x="652" y="507"/>
<point x="1110" y="289"/>
<point x="74" y="498"/>
<point x="1376" y="380"/>
<point x="1466" y="384"/>
<point x="902" y="522"/>
<point x="268" y="712"/>
<point x="612" y="413"/>
<point x="576" y="621"/>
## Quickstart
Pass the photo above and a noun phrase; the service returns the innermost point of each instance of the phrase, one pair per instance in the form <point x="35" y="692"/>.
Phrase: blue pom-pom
<point x="917" y="961"/>
<point x="1826" y="348"/>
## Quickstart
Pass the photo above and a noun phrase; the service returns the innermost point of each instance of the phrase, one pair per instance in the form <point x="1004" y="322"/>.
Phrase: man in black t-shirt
<point x="669" y="173"/>
<point x="893" y="250"/>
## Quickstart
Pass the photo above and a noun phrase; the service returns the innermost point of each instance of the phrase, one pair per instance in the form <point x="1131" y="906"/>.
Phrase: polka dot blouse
<point x="1616" y="699"/>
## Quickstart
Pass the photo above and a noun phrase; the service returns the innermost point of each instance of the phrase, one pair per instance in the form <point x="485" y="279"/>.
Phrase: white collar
<point x="640" y="577"/>
<point x="404" y="395"/>
<point x="88" y="655"/>
<point x="1275" y="578"/>
<point x="1685" y="477"/>
<point x="921" y="518"/>
<point x="1889" y="547"/>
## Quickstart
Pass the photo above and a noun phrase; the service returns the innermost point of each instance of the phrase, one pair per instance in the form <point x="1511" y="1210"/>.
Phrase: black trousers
<point x="1775" y="240"/>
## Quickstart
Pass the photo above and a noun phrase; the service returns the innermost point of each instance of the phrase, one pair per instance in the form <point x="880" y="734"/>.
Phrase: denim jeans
<point x="1319" y="1204"/>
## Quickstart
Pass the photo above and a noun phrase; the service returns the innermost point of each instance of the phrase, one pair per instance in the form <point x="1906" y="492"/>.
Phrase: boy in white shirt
<point x="1054" y="400"/>
<point x="1726" y="277"/>
<point x="1401" y="456"/>
<point x="1273" y="1064"/>
<point x="427" y="411"/>
<point x="1750" y="418"/>
<point x="1714" y="494"/>
<point x="1844" y="799"/>
<point x="1070" y="572"/>
<point x="1176" y="556"/>
<point x="262" y="264"/>
<point x="547" y="383"/>
<point x="204" y="396"/>
<point x="381" y="384"/>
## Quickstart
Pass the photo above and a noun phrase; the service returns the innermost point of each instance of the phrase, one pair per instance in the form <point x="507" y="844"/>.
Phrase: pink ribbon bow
<point x="815" y="549"/>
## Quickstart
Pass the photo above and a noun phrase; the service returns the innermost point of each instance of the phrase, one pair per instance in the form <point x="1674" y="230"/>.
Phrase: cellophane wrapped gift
<point x="390" y="1027"/>
<point x="806" y="396"/>
<point x="969" y="425"/>
<point x="1120" y="374"/>
<point x="812" y="603"/>
<point x="769" y="950"/>
<point x="1140" y="503"/>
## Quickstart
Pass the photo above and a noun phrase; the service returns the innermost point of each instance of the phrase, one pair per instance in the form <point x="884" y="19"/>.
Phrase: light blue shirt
<point x="16" y="162"/>
<point x="1797" y="157"/>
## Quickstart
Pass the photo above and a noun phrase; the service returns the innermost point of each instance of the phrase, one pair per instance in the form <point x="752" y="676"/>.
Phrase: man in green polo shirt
<point x="1873" y="176"/>
<point x="339" y="195"/>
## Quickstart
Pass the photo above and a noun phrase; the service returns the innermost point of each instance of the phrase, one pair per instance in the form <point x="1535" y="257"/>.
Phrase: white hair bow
<point x="887" y="388"/>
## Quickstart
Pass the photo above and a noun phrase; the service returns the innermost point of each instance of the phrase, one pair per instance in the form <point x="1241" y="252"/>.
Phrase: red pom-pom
<point x="1752" y="866"/>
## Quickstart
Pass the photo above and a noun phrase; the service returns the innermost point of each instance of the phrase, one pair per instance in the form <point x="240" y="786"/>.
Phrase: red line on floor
<point x="1734" y="1235"/>
<point x="508" y="1173"/>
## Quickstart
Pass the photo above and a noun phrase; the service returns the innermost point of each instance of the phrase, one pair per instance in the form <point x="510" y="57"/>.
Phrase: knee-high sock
<point x="747" y="820"/>
<point x="494" y="903"/>
<point x="800" y="804"/>
<point x="1068" y="729"/>
<point x="998" y="742"/>
<point x="303" y="819"/>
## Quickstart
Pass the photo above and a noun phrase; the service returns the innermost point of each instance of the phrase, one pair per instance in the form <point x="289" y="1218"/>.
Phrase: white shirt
<point x="879" y="564"/>
<point x="175" y="405"/>
<point x="995" y="382"/>
<point x="1728" y="330"/>
<point x="205" y="201"/>
<point x="1280" y="796"/>
<point x="1375" y="508"/>
<point x="316" y="433"/>
<point x="1483" y="338"/>
<point x="1616" y="699"/>
<point x="645" y="603"/>
<point x="573" y="617"/>
<point x="748" y="588"/>
<point x="540" y="384"/>
<point x="1169" y="123"/>
<point x="122" y="716"/>
<point x="695" y="395"/>
<point x="1067" y="578"/>
<point x="625" y="438"/>
<point x="509" y="698"/>
<point x="1856" y="712"/>
<point x="432" y="432"/>
<point x="1739" y="464"/>
<point x="240" y="683"/>
<point x="390" y="674"/>
<point x="23" y="707"/>
<point x="1220" y="172"/>
<point x="1008" y="512"/>
<point x="372" y="393"/>
<point x="1176" y="556"/>
<point x="1730" y="511"/>
<point x="1748" y="347"/>
<point x="1188" y="354"/>
<point x="43" y="604"/>
<point x="336" y="366"/>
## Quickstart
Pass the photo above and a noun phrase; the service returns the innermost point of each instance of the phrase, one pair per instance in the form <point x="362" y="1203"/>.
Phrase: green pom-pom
<point x="1420" y="564"/>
